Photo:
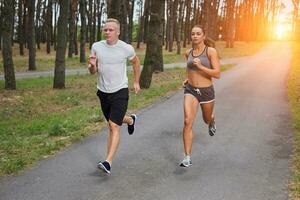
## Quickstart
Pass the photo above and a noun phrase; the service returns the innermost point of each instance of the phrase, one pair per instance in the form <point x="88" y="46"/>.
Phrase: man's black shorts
<point x="114" y="105"/>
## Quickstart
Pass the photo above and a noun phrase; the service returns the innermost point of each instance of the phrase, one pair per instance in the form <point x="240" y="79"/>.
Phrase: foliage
<point x="294" y="98"/>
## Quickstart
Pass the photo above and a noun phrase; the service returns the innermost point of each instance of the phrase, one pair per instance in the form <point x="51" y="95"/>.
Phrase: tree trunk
<point x="113" y="8"/>
<point x="75" y="34"/>
<point x="214" y="29"/>
<point x="62" y="28"/>
<point x="194" y="12"/>
<point x="31" y="35"/>
<point x="141" y="25"/>
<point x="178" y="31"/>
<point x="94" y="20"/>
<point x="12" y="36"/>
<point x="146" y="19"/>
<point x="1" y="23"/>
<point x="90" y="24"/>
<point x="20" y="28"/>
<point x="44" y="23"/>
<point x="37" y="24"/>
<point x="168" y="14"/>
<point x="247" y="31"/>
<point x="295" y="21"/>
<point x="99" y="32"/>
<point x="25" y="24"/>
<point x="198" y="14"/>
<point x="55" y="25"/>
<point x="187" y="23"/>
<point x="118" y="9"/>
<point x="239" y="27"/>
<point x="153" y="55"/>
<point x="130" y="17"/>
<point x="82" y="9"/>
<point x="1" y="18"/>
<point x="171" y="25"/>
<point x="73" y="8"/>
<point x="206" y="13"/>
<point x="48" y="23"/>
<point x="123" y="21"/>
<point x="7" y="28"/>
<point x="230" y="26"/>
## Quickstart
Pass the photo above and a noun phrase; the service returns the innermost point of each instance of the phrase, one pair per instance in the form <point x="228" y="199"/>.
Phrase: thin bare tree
<point x="296" y="23"/>
<point x="82" y="10"/>
<point x="7" y="28"/>
<point x="73" y="9"/>
<point x="20" y="27"/>
<point x="49" y="26"/>
<point x="230" y="24"/>
<point x="31" y="35"/>
<point x="62" y="29"/>
<point x="153" y="57"/>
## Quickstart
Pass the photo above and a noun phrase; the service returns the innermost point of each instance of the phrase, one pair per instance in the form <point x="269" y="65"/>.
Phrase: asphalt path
<point x="248" y="159"/>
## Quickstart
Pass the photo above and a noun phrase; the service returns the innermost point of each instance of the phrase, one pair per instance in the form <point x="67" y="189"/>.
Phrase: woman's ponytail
<point x="209" y="42"/>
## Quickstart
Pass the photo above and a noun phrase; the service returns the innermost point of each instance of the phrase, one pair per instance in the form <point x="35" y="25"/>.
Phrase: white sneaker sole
<point x="183" y="165"/>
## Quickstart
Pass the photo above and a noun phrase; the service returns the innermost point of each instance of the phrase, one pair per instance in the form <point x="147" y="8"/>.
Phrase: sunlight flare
<point x="282" y="31"/>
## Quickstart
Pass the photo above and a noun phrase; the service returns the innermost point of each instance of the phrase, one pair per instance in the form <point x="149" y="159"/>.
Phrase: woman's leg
<point x="208" y="117"/>
<point x="207" y="112"/>
<point x="190" y="106"/>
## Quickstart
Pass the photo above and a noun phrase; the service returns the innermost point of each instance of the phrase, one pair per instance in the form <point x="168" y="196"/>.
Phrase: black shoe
<point x="105" y="166"/>
<point x="212" y="128"/>
<point x="131" y="127"/>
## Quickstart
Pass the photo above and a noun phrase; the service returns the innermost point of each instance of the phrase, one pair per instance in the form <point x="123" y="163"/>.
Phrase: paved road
<point x="37" y="74"/>
<point x="248" y="159"/>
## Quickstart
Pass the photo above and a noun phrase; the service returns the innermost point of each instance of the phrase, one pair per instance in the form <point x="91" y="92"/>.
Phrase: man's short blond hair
<point x="115" y="21"/>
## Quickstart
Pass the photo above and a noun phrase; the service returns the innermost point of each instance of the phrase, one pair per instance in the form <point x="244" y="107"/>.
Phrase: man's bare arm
<point x="137" y="73"/>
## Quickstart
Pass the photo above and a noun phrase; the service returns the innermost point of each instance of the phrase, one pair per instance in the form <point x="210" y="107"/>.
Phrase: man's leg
<point x="114" y="137"/>
<point x="112" y="146"/>
<point x="118" y="105"/>
<point x="128" y="119"/>
<point x="113" y="140"/>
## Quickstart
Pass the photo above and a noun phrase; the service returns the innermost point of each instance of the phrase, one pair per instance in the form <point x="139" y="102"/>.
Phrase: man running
<point x="108" y="58"/>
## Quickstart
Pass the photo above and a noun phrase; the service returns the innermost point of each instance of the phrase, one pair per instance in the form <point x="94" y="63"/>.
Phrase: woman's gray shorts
<point x="203" y="95"/>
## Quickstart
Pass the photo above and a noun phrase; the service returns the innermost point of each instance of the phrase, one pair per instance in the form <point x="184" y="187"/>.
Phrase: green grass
<point x="240" y="49"/>
<point x="226" y="67"/>
<point x="294" y="98"/>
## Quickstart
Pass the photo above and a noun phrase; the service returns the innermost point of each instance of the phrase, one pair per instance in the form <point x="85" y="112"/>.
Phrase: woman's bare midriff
<point x="198" y="79"/>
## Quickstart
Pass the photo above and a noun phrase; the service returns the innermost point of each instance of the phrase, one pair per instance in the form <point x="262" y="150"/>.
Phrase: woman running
<point x="202" y="65"/>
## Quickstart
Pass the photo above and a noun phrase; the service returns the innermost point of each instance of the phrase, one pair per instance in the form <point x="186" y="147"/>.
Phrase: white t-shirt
<point x="112" y="68"/>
